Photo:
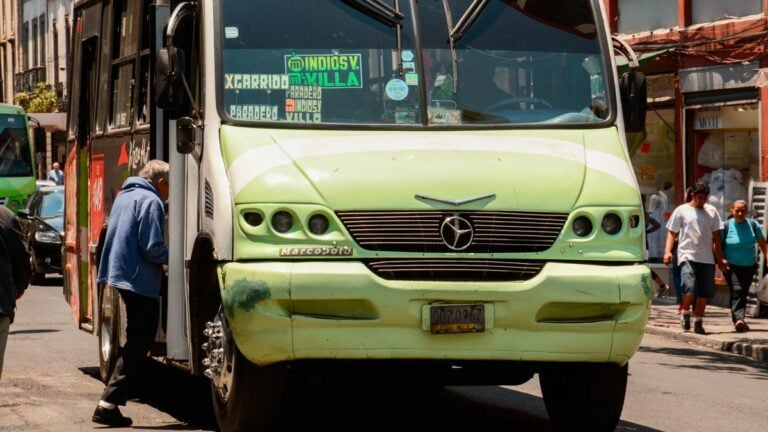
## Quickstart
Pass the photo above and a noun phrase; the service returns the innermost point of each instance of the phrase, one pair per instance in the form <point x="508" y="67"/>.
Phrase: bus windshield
<point x="448" y="62"/>
<point x="15" y="154"/>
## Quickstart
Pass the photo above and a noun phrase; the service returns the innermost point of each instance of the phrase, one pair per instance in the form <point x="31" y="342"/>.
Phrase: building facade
<point x="42" y="43"/>
<point x="705" y="63"/>
<point x="8" y="43"/>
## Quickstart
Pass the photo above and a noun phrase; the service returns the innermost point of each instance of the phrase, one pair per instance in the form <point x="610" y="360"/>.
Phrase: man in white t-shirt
<point x="696" y="226"/>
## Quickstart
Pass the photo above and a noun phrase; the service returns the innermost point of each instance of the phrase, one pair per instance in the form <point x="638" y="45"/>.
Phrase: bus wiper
<point x="379" y="10"/>
<point x="386" y="14"/>
<point x="466" y="20"/>
<point x="458" y="30"/>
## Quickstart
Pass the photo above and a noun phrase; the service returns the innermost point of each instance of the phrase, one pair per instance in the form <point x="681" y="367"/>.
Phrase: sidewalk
<point x="721" y="335"/>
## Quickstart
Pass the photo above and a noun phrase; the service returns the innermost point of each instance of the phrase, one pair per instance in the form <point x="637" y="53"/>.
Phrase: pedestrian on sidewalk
<point x="15" y="273"/>
<point x="651" y="226"/>
<point x="131" y="263"/>
<point x="696" y="227"/>
<point x="56" y="175"/>
<point x="677" y="279"/>
<point x="739" y="236"/>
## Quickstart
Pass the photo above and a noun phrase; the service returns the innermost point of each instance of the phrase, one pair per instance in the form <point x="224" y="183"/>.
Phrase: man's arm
<point x="22" y="272"/>
<point x="717" y="247"/>
<point x="651" y="224"/>
<point x="671" y="237"/>
<point x="151" y="243"/>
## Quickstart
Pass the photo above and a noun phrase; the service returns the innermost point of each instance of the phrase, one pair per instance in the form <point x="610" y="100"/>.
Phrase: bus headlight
<point x="582" y="226"/>
<point x="253" y="219"/>
<point x="282" y="221"/>
<point x="611" y="223"/>
<point x="318" y="224"/>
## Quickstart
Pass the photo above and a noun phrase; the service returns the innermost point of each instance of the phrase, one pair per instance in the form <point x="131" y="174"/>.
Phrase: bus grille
<point x="455" y="270"/>
<point x="420" y="231"/>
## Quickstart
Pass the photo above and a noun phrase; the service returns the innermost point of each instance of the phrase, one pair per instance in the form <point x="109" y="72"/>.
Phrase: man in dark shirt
<point x="15" y="273"/>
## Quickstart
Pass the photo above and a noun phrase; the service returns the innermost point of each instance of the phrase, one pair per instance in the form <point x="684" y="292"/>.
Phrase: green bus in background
<point x="17" y="170"/>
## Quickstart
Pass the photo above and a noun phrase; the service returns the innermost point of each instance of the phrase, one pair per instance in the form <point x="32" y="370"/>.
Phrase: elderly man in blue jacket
<point x="131" y="262"/>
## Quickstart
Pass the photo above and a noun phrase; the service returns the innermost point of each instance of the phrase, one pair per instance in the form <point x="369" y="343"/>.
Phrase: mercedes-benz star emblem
<point x="457" y="233"/>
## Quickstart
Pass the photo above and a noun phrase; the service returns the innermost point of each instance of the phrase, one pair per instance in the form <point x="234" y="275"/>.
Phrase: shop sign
<point x="726" y="117"/>
<point x="708" y="118"/>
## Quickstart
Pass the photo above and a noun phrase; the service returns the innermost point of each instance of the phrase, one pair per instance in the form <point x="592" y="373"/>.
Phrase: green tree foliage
<point x="41" y="100"/>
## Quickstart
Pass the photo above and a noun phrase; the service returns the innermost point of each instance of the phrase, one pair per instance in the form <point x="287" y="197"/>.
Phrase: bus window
<point x="15" y="156"/>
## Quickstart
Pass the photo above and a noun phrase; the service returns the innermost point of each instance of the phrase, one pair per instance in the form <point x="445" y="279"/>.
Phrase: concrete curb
<point x="757" y="352"/>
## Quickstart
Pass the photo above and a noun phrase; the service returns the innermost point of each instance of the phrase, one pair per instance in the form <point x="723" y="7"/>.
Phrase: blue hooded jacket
<point x="134" y="251"/>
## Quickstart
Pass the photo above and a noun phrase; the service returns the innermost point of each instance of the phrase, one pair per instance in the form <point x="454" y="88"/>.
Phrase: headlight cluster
<point x="283" y="221"/>
<point x="48" y="237"/>
<point x="15" y="205"/>
<point x="611" y="224"/>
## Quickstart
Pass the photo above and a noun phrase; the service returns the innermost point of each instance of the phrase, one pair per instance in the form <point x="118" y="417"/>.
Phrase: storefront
<point x="722" y="131"/>
<point x="710" y="133"/>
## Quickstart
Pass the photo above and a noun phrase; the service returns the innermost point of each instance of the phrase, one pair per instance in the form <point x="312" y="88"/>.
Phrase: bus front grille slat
<point x="419" y="231"/>
<point x="455" y="270"/>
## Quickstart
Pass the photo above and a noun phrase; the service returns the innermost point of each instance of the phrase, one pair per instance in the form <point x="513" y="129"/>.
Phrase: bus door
<point x="77" y="167"/>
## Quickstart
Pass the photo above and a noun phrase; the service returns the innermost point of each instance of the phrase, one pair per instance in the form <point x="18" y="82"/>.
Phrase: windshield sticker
<point x="405" y="116"/>
<point x="231" y="32"/>
<point x="397" y="89"/>
<point x="254" y="112"/>
<point x="255" y="81"/>
<point x="412" y="79"/>
<point x="407" y="55"/>
<point x="438" y="115"/>
<point x="304" y="104"/>
<point x="330" y="71"/>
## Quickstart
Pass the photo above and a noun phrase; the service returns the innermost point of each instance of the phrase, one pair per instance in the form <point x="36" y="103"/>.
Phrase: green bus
<point x="440" y="189"/>
<point x="17" y="168"/>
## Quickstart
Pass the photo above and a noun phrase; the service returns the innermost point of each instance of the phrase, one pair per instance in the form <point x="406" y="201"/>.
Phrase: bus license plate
<point x="465" y="318"/>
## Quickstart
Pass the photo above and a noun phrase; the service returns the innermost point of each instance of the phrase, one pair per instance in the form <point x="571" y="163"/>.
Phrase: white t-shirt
<point x="695" y="227"/>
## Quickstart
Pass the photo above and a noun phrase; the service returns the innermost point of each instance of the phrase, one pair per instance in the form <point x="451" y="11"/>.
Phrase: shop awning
<point x="622" y="64"/>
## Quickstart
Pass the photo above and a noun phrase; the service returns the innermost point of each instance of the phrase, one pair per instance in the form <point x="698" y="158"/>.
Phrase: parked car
<point x="43" y="222"/>
<point x="42" y="183"/>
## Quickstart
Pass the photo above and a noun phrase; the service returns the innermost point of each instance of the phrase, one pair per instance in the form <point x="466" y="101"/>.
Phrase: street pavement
<point x="720" y="333"/>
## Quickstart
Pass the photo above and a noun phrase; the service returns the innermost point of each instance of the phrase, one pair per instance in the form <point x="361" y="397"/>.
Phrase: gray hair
<point x="155" y="170"/>
<point x="739" y="201"/>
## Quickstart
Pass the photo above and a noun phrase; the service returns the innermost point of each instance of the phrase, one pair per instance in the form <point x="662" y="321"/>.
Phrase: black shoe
<point x="685" y="321"/>
<point x="110" y="417"/>
<point x="741" y="326"/>
<point x="698" y="327"/>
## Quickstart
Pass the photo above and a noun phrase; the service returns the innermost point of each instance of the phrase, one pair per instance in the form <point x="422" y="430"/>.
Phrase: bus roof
<point x="11" y="109"/>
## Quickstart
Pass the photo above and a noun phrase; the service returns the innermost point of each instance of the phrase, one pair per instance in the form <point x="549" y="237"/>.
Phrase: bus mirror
<point x="634" y="100"/>
<point x="185" y="135"/>
<point x="168" y="70"/>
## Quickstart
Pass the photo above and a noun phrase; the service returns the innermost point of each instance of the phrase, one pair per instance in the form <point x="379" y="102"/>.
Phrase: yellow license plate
<point x="453" y="318"/>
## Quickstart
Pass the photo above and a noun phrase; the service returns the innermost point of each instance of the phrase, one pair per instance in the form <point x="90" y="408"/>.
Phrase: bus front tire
<point x="246" y="397"/>
<point x="584" y="396"/>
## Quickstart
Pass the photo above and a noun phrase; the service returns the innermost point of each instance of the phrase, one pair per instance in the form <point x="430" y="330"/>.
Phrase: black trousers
<point x="142" y="314"/>
<point x="743" y="275"/>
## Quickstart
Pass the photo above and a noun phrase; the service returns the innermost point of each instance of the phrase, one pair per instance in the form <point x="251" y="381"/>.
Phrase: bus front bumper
<point x="282" y="311"/>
